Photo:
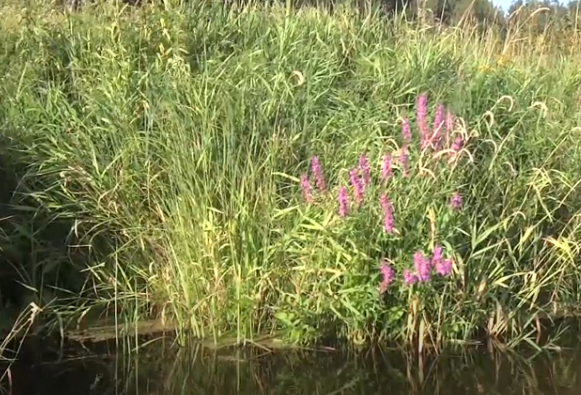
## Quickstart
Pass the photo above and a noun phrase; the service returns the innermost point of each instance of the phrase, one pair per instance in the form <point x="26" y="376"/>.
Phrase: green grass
<point x="153" y="159"/>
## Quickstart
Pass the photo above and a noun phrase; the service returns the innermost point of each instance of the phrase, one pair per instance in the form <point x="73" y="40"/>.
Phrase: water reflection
<point x="161" y="369"/>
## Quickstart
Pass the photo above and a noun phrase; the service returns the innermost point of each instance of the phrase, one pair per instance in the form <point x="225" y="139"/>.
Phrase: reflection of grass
<point x="198" y="370"/>
<point x="13" y="339"/>
<point x="156" y="156"/>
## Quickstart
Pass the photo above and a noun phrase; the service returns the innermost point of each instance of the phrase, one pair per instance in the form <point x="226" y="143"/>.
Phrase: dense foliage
<point x="308" y="173"/>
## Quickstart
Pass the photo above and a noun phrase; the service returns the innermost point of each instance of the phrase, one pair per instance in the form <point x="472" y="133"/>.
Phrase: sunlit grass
<point x="157" y="152"/>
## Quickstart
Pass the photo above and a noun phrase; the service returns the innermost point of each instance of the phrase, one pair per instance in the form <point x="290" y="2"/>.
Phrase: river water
<point x="162" y="368"/>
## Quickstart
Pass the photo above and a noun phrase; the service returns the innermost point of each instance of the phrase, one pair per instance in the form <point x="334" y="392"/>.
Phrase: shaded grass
<point x="159" y="150"/>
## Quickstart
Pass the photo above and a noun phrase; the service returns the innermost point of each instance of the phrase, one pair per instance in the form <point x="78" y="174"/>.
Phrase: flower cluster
<point x="423" y="266"/>
<point x="360" y="177"/>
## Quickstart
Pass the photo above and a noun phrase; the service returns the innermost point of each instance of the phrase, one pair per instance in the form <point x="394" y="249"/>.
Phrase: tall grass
<point x="155" y="155"/>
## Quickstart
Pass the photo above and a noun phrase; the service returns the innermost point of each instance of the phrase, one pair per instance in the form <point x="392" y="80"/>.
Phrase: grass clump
<point x="155" y="158"/>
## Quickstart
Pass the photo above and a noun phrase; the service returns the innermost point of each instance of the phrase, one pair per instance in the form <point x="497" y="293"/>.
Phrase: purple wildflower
<point x="343" y="202"/>
<point x="456" y="201"/>
<point x="387" y="275"/>
<point x="422" y="111"/>
<point x="422" y="265"/>
<point x="364" y="167"/>
<point x="318" y="173"/>
<point x="449" y="122"/>
<point x="403" y="161"/>
<point x="387" y="213"/>
<point x="409" y="278"/>
<point x="306" y="187"/>
<point x="406" y="132"/>
<point x="385" y="167"/>
<point x="357" y="187"/>
<point x="457" y="145"/>
<point x="444" y="267"/>
<point x="449" y="126"/>
<point x="436" y="137"/>
<point x="436" y="256"/>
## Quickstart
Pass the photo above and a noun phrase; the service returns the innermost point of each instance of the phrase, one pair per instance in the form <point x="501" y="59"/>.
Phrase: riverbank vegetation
<point x="304" y="173"/>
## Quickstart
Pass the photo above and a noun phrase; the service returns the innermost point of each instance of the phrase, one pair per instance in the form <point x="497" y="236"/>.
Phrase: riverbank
<point x="310" y="174"/>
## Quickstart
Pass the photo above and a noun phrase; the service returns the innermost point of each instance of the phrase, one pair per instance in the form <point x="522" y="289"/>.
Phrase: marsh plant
<point x="366" y="194"/>
<point x="390" y="220"/>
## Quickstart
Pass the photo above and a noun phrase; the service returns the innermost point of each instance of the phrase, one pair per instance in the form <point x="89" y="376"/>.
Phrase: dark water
<point x="162" y="369"/>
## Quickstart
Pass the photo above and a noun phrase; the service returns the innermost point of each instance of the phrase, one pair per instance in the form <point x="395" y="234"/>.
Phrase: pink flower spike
<point x="409" y="278"/>
<point x="422" y="111"/>
<point x="364" y="167"/>
<point x="406" y="132"/>
<point x="318" y="173"/>
<point x="385" y="167"/>
<point x="456" y="201"/>
<point x="356" y="184"/>
<point x="343" y="200"/>
<point x="457" y="145"/>
<point x="404" y="162"/>
<point x="387" y="214"/>
<point x="306" y="187"/>
<point x="444" y="267"/>
<point x="436" y="256"/>
<point x="387" y="275"/>
<point x="449" y="122"/>
<point x="436" y="138"/>
<point x="422" y="265"/>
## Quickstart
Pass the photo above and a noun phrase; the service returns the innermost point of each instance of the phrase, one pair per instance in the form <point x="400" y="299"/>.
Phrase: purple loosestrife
<point x="449" y="126"/>
<point x="387" y="275"/>
<point x="457" y="145"/>
<point x="436" y="256"/>
<point x="387" y="209"/>
<point x="436" y="138"/>
<point x="449" y="122"/>
<point x="356" y="184"/>
<point x="385" y="168"/>
<point x="404" y="162"/>
<point x="364" y="167"/>
<point x="456" y="201"/>
<point x="406" y="132"/>
<point x="422" y="111"/>
<point x="306" y="187"/>
<point x="444" y="267"/>
<point x="343" y="200"/>
<point x="409" y="278"/>
<point x="318" y="173"/>
<point x="422" y="265"/>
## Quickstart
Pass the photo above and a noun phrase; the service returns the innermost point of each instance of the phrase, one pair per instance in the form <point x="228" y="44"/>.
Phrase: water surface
<point x="162" y="369"/>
